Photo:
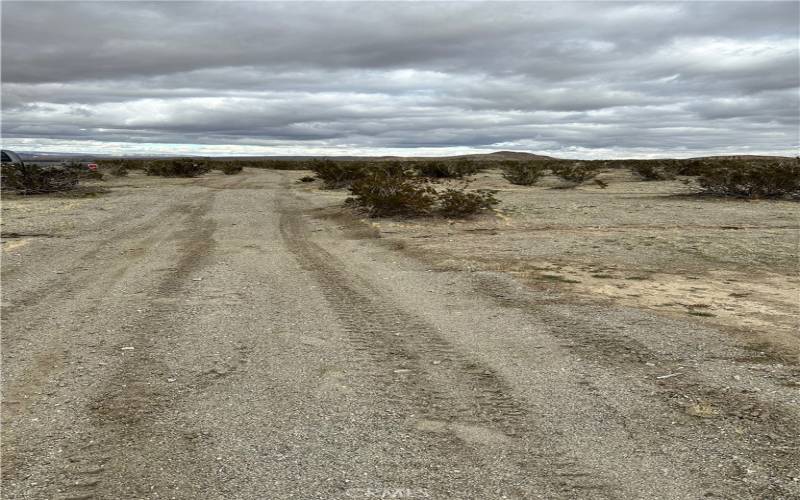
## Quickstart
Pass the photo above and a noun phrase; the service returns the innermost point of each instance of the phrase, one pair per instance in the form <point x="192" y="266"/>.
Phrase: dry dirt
<point x="244" y="337"/>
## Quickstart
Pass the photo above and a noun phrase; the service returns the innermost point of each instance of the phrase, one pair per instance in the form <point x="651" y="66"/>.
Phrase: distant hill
<point x="494" y="156"/>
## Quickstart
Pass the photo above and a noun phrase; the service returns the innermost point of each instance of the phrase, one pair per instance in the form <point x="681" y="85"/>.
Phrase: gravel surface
<point x="237" y="337"/>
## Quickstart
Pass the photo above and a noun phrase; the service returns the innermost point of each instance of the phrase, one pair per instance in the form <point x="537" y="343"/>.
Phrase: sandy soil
<point x="648" y="245"/>
<point x="245" y="337"/>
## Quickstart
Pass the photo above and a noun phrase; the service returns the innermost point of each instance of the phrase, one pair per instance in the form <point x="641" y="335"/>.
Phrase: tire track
<point x="420" y="371"/>
<point x="750" y="417"/>
<point x="133" y="396"/>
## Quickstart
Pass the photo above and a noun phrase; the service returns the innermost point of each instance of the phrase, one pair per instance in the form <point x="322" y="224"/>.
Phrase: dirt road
<point x="217" y="338"/>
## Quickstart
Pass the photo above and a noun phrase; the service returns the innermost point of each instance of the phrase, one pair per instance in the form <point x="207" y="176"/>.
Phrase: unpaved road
<point x="214" y="338"/>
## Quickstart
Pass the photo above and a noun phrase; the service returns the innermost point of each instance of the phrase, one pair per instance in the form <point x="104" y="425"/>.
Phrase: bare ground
<point x="242" y="337"/>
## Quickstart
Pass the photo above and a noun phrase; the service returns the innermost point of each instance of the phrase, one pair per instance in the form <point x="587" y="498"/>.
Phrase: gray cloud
<point x="621" y="79"/>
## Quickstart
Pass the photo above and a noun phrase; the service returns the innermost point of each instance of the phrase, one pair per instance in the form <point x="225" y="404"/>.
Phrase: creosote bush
<point x="118" y="170"/>
<point x="775" y="179"/>
<point x="575" y="173"/>
<point x="523" y="173"/>
<point x="383" y="193"/>
<point x="653" y="170"/>
<point x="34" y="180"/>
<point x="178" y="167"/>
<point x="391" y="189"/>
<point x="231" y="168"/>
<point x="337" y="174"/>
<point x="447" y="169"/>
<point x="460" y="203"/>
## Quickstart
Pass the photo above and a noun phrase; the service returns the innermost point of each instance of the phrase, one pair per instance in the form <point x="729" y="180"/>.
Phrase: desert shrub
<point x="85" y="173"/>
<point x="337" y="174"/>
<point x="121" y="168"/>
<point x="177" y="167"/>
<point x="751" y="179"/>
<point x="447" y="169"/>
<point x="575" y="173"/>
<point x="692" y="167"/>
<point x="231" y="168"/>
<point x="382" y="193"/>
<point x="118" y="170"/>
<point x="307" y="178"/>
<point x="653" y="170"/>
<point x="460" y="203"/>
<point x="522" y="173"/>
<point x="34" y="180"/>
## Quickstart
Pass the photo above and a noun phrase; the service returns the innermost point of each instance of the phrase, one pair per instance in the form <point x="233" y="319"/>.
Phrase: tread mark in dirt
<point x="135" y="393"/>
<point x="403" y="344"/>
<point x="600" y="343"/>
<point x="457" y="390"/>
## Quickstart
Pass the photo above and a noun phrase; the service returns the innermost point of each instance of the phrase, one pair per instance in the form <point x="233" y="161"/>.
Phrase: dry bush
<point x="447" y="169"/>
<point x="177" y="167"/>
<point x="337" y="174"/>
<point x="118" y="170"/>
<point x="653" y="170"/>
<point x="523" y="173"/>
<point x="389" y="189"/>
<point x="460" y="203"/>
<point x="231" y="168"/>
<point x="752" y="179"/>
<point x="574" y="173"/>
<point x="35" y="180"/>
<point x="383" y="194"/>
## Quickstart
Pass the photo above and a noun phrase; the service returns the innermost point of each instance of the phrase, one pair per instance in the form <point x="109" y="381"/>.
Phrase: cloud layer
<point x="571" y="79"/>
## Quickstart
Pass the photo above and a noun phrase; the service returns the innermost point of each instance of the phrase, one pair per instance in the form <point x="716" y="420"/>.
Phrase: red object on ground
<point x="92" y="166"/>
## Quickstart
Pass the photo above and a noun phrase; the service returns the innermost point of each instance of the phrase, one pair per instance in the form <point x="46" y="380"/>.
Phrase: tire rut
<point x="418" y="370"/>
<point x="750" y="417"/>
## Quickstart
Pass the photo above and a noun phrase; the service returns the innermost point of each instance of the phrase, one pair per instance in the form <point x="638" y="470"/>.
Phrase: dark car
<point x="11" y="158"/>
<point x="36" y="177"/>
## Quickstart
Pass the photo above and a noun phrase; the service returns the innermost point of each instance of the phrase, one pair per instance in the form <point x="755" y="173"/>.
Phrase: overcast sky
<point x="570" y="79"/>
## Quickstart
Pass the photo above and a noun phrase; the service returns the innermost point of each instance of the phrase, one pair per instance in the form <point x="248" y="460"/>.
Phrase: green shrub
<point x="231" y="168"/>
<point x="178" y="167"/>
<point x="34" y="180"/>
<point x="460" y="203"/>
<point x="337" y="174"/>
<point x="575" y="173"/>
<point x="385" y="194"/>
<point x="447" y="169"/>
<point x="522" y="173"/>
<point x="752" y="179"/>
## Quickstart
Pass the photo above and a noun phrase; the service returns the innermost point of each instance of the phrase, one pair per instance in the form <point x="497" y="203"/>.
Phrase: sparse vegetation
<point x="447" y="169"/>
<point x="653" y="170"/>
<point x="461" y="203"/>
<point x="337" y="174"/>
<point x="178" y="167"/>
<point x="118" y="170"/>
<point x="575" y="173"/>
<point x="775" y="179"/>
<point x="523" y="173"/>
<point x="391" y="189"/>
<point x="34" y="180"/>
<point x="383" y="193"/>
<point x="230" y="168"/>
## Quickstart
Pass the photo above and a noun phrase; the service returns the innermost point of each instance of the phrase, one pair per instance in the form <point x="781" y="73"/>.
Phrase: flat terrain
<point x="244" y="337"/>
